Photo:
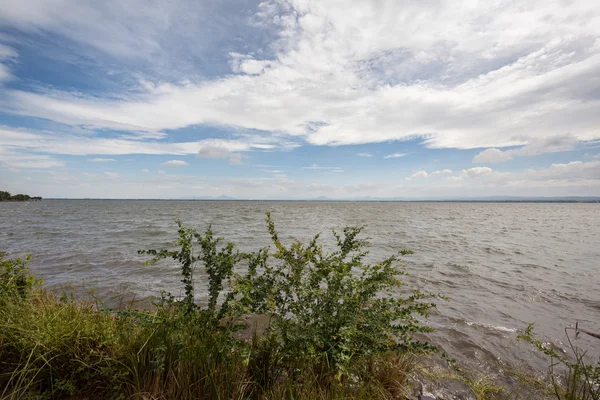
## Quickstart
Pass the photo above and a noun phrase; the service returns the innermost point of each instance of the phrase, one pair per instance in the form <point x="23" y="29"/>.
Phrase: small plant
<point x="582" y="379"/>
<point x="218" y="262"/>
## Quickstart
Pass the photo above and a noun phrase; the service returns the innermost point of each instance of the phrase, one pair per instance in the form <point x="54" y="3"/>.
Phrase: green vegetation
<point x="505" y="384"/>
<point x="579" y="379"/>
<point x="336" y="328"/>
<point x="6" y="196"/>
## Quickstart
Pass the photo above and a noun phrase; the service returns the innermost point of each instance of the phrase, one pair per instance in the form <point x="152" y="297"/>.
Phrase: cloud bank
<point x="339" y="72"/>
<point x="225" y="82"/>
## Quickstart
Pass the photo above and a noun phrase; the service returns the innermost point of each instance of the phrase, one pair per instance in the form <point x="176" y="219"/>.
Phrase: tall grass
<point x="55" y="347"/>
<point x="52" y="348"/>
<point x="574" y="377"/>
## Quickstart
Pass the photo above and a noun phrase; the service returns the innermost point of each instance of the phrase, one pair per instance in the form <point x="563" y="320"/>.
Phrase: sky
<point x="286" y="99"/>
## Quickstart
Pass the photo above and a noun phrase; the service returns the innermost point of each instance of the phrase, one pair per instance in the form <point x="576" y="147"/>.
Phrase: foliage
<point x="6" y="196"/>
<point x="51" y="348"/>
<point x="339" y="328"/>
<point x="333" y="308"/>
<point x="16" y="280"/>
<point x="177" y="358"/>
<point x="581" y="380"/>
<point x="217" y="261"/>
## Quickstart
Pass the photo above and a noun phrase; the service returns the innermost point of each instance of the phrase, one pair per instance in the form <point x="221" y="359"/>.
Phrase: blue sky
<point x="299" y="99"/>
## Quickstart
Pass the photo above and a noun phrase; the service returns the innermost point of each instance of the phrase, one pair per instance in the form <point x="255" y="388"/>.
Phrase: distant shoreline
<point x="525" y="200"/>
<point x="20" y="197"/>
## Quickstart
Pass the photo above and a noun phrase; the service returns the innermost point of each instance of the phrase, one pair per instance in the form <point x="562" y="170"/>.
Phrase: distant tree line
<point x="6" y="196"/>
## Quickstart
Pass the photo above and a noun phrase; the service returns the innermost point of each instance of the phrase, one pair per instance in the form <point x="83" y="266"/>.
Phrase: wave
<point x="498" y="328"/>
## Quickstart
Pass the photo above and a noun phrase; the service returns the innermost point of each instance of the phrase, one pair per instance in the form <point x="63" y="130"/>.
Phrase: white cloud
<point x="145" y="170"/>
<point x="223" y="149"/>
<point x="440" y="172"/>
<point x="243" y="64"/>
<point x="167" y="33"/>
<point x="575" y="178"/>
<point x="20" y="159"/>
<point x="72" y="144"/>
<point x="319" y="167"/>
<point x="7" y="55"/>
<point x="4" y="73"/>
<point x="101" y="160"/>
<point x="175" y="163"/>
<point x="365" y="155"/>
<point x="574" y="173"/>
<point x="571" y="170"/>
<point x="492" y="156"/>
<point x="235" y="159"/>
<point x="161" y="172"/>
<point x="340" y="71"/>
<point x="112" y="174"/>
<point x="481" y="76"/>
<point x="476" y="172"/>
<point x="216" y="150"/>
<point x="534" y="147"/>
<point x="417" y="175"/>
<point x="395" y="155"/>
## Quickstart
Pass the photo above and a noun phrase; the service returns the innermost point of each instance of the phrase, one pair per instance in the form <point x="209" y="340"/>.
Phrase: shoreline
<point x="583" y="200"/>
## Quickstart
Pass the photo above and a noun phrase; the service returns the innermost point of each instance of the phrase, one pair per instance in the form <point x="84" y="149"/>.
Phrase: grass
<point x="63" y="348"/>
<point x="507" y="383"/>
<point x="574" y="376"/>
<point x="53" y="346"/>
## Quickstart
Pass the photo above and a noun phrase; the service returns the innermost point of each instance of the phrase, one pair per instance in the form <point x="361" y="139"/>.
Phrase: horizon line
<point x="490" y="199"/>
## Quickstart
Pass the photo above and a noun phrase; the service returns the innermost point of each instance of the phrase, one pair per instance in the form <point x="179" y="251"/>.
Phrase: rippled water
<point x="503" y="265"/>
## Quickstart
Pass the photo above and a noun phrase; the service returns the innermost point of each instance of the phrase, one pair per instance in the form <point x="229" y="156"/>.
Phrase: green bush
<point x="218" y="262"/>
<point x="329" y="309"/>
<point x="6" y="196"/>
<point x="16" y="280"/>
<point x="332" y="308"/>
